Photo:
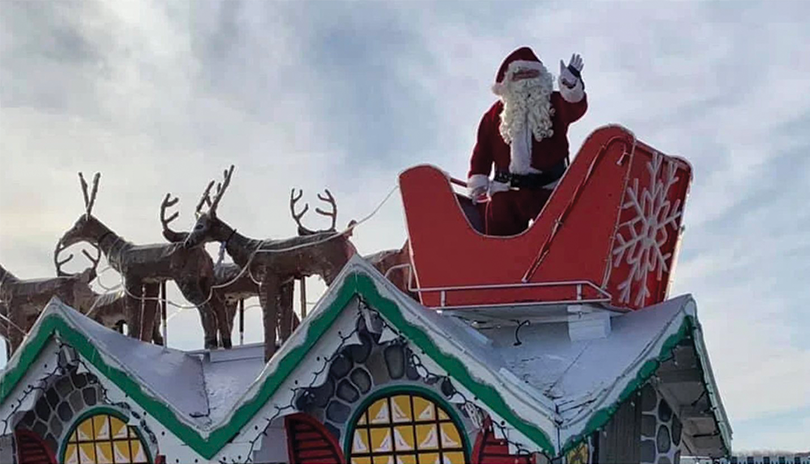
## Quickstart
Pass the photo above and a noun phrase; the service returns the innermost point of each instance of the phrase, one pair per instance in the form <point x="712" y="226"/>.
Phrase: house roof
<point x="550" y="391"/>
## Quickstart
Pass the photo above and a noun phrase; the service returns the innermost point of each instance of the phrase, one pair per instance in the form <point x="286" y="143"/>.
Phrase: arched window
<point x="406" y="428"/>
<point x="104" y="438"/>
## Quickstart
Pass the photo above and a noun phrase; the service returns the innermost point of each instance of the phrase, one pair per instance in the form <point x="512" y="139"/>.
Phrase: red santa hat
<point x="522" y="58"/>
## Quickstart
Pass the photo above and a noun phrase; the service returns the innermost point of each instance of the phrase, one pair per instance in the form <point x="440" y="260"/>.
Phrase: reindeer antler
<point x="168" y="202"/>
<point x="168" y="233"/>
<point x="328" y="198"/>
<point x="89" y="200"/>
<point x="59" y="263"/>
<point x="297" y="217"/>
<point x="59" y="248"/>
<point x="221" y="190"/>
<point x="331" y="200"/>
<point x="205" y="199"/>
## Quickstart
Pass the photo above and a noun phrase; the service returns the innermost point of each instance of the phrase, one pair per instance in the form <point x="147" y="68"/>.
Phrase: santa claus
<point x="525" y="135"/>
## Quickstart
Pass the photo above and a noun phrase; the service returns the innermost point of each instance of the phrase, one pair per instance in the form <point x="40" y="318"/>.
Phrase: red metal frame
<point x="572" y="241"/>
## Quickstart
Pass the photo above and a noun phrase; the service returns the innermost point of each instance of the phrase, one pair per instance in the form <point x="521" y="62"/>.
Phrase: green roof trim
<point x="601" y="417"/>
<point x="354" y="284"/>
<point x="452" y="365"/>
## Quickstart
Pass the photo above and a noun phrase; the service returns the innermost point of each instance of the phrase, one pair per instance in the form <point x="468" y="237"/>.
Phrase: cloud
<point x="162" y="97"/>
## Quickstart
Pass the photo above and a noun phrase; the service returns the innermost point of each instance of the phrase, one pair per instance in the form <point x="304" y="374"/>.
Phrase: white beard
<point x="527" y="100"/>
<point x="526" y="111"/>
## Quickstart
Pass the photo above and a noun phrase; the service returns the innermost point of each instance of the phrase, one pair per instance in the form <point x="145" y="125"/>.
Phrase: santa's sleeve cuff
<point x="476" y="181"/>
<point x="574" y="94"/>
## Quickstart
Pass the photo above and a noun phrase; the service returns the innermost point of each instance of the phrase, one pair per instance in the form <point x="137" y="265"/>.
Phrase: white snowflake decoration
<point x="648" y="230"/>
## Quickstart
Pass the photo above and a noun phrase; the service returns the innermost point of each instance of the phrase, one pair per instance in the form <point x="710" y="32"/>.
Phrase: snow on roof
<point x="573" y="372"/>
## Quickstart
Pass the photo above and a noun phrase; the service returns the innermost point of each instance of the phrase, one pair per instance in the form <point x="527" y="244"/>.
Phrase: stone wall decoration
<point x="660" y="429"/>
<point x="360" y="370"/>
<point x="71" y="421"/>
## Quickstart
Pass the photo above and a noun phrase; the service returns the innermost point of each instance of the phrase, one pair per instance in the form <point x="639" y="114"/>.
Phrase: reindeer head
<point x="86" y="227"/>
<point x="83" y="294"/>
<point x="327" y="198"/>
<point x="208" y="227"/>
<point x="86" y="276"/>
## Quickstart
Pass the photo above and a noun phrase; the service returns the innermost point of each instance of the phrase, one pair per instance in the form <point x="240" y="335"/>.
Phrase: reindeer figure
<point x="231" y="285"/>
<point x="144" y="267"/>
<point x="22" y="300"/>
<point x="274" y="263"/>
<point x="108" y="309"/>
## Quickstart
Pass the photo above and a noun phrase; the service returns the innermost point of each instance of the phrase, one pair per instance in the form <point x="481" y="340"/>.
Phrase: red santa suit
<point x="530" y="163"/>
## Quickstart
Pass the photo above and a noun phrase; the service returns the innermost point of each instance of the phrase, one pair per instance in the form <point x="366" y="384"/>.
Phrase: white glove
<point x="478" y="195"/>
<point x="571" y="73"/>
<point x="478" y="186"/>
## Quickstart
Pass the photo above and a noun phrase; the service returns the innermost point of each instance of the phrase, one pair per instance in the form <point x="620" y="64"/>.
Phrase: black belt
<point x="532" y="181"/>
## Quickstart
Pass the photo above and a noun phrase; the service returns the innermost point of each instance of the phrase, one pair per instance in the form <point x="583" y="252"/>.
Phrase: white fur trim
<point x="572" y="95"/>
<point x="477" y="181"/>
<point x="520" y="152"/>
<point x="497" y="88"/>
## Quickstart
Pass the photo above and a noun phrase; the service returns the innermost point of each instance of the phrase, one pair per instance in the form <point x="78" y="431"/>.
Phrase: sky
<point x="162" y="96"/>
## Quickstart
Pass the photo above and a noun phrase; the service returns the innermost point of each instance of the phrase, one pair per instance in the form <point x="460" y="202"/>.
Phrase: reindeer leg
<point x="150" y="310"/>
<point x="224" y="323"/>
<point x="268" y="296"/>
<point x="157" y="337"/>
<point x="230" y="313"/>
<point x="285" y="309"/>
<point x="193" y="292"/>
<point x="133" y="306"/>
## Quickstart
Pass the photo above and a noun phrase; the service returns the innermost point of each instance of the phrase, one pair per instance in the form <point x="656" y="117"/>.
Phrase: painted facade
<point x="369" y="377"/>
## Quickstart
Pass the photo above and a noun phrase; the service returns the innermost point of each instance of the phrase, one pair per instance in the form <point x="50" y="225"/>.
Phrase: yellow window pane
<point x="104" y="453"/>
<point x="118" y="428"/>
<point x="360" y="441"/>
<point x="362" y="420"/>
<point x="403" y="438"/>
<point x="579" y="455"/>
<point x="429" y="458"/>
<point x="121" y="450"/>
<point x="401" y="409"/>
<point x="453" y="458"/>
<point x="87" y="452"/>
<point x="101" y="427"/>
<point x="363" y="460"/>
<point x="426" y="437"/>
<point x="450" y="436"/>
<point x="384" y="459"/>
<point x="85" y="430"/>
<point x="443" y="415"/>
<point x="378" y="412"/>
<point x="138" y="454"/>
<point x="73" y="437"/>
<point x="406" y="459"/>
<point x="71" y="455"/>
<point x="423" y="409"/>
<point x="381" y="440"/>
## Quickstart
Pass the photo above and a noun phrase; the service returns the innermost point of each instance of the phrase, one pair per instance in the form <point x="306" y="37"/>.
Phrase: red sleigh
<point x="609" y="234"/>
